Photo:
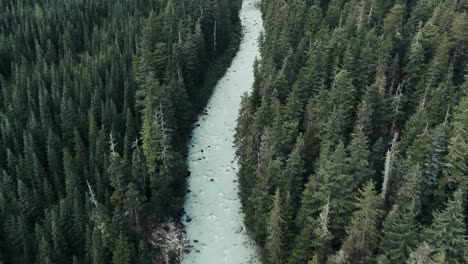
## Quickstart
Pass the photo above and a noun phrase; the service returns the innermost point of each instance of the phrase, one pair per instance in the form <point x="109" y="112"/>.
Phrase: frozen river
<point x="214" y="220"/>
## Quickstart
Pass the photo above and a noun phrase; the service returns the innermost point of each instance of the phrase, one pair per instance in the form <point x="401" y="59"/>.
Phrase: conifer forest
<point x="97" y="100"/>
<point x="351" y="142"/>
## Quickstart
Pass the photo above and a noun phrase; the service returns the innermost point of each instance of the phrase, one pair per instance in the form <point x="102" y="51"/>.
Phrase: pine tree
<point x="434" y="161"/>
<point x="144" y="253"/>
<point x="358" y="161"/>
<point x="98" y="253"/>
<point x="415" y="125"/>
<point x="332" y="182"/>
<point x="413" y="52"/>
<point x="363" y="230"/>
<point x="293" y="173"/>
<point x="117" y="175"/>
<point x="425" y="254"/>
<point x="393" y="23"/>
<point x="409" y="194"/>
<point x="274" y="242"/>
<point x="324" y="236"/>
<point x="400" y="235"/>
<point x="288" y="227"/>
<point x="448" y="230"/>
<point x="149" y="130"/>
<point x="45" y="248"/>
<point x="342" y="96"/>
<point x="416" y="62"/>
<point x="123" y="251"/>
<point x="303" y="249"/>
<point x="314" y="241"/>
<point x="456" y="166"/>
<point x="139" y="169"/>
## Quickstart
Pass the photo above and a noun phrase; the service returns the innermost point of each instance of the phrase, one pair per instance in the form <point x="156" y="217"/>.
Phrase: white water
<point x="216" y="228"/>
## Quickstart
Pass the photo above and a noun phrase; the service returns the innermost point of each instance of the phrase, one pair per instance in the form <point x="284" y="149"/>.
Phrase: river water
<point x="214" y="219"/>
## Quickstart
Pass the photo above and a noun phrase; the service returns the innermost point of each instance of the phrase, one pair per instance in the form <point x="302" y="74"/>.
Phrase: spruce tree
<point x="456" y="166"/>
<point x="425" y="254"/>
<point x="400" y="235"/>
<point x="274" y="242"/>
<point x="123" y="251"/>
<point x="448" y="230"/>
<point x="332" y="182"/>
<point x="363" y="230"/>
<point x="358" y="158"/>
<point x="293" y="173"/>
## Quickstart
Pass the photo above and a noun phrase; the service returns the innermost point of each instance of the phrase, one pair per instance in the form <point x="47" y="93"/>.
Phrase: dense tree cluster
<point x="96" y="101"/>
<point x="354" y="142"/>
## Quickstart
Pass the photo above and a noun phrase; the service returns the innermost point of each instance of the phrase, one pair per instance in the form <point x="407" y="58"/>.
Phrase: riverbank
<point x="168" y="237"/>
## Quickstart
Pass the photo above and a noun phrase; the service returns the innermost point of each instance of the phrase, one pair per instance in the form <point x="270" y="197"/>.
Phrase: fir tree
<point x="448" y="230"/>
<point x="400" y="235"/>
<point x="123" y="251"/>
<point x="363" y="231"/>
<point x="456" y="161"/>
<point x="274" y="243"/>
<point x="426" y="254"/>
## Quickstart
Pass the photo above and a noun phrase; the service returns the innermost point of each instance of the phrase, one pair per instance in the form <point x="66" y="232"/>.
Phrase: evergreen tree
<point x="456" y="160"/>
<point x="448" y="230"/>
<point x="400" y="235"/>
<point x="315" y="231"/>
<point x="363" y="231"/>
<point x="332" y="182"/>
<point x="274" y="244"/>
<point x="426" y="254"/>
<point x="382" y="79"/>
<point x="359" y="156"/>
<point x="117" y="175"/>
<point x="293" y="173"/>
<point x="434" y="162"/>
<point x="123" y="251"/>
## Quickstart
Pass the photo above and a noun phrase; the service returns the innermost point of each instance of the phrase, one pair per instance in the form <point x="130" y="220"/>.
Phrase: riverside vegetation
<point x="354" y="142"/>
<point x="353" y="145"/>
<point x="96" y="102"/>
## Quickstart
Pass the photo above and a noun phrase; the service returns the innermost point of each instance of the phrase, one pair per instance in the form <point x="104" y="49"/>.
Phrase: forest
<point x="353" y="145"/>
<point x="97" y="99"/>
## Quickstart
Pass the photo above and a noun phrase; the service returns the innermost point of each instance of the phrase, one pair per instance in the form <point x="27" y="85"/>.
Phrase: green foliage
<point x="123" y="251"/>
<point x="363" y="230"/>
<point x="274" y="243"/>
<point x="456" y="167"/>
<point x="331" y="182"/>
<point x="400" y="234"/>
<point x="97" y="99"/>
<point x="448" y="230"/>
<point x="367" y="90"/>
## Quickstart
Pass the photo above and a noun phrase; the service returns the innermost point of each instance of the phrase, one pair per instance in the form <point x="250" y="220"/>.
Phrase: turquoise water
<point x="214" y="220"/>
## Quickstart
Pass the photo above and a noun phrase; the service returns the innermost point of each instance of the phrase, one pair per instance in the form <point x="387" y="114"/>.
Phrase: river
<point x="214" y="219"/>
